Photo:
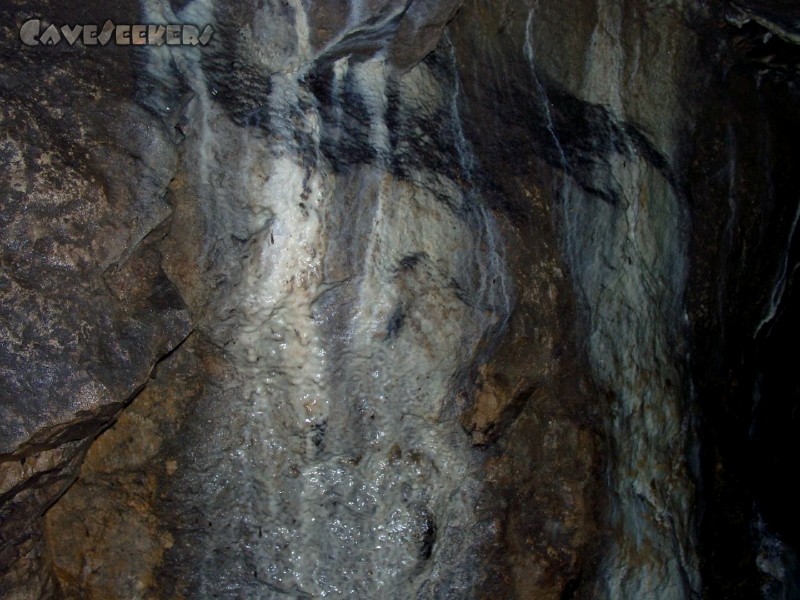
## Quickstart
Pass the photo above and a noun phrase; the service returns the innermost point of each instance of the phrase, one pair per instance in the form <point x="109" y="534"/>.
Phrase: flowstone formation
<point x="401" y="299"/>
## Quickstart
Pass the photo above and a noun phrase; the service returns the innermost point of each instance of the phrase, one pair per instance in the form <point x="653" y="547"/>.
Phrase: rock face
<point x="354" y="276"/>
<point x="488" y="301"/>
<point x="617" y="201"/>
<point x="86" y="309"/>
<point x="746" y="192"/>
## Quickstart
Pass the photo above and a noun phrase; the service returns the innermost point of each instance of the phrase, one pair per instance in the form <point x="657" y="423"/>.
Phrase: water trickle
<point x="494" y="287"/>
<point x="782" y="277"/>
<point x="463" y="150"/>
<point x="530" y="57"/>
<point x="570" y="197"/>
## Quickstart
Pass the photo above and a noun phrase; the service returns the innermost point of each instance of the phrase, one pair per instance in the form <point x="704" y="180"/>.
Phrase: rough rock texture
<point x="118" y="491"/>
<point x="489" y="299"/>
<point x="86" y="309"/>
<point x="611" y="188"/>
<point x="352" y="278"/>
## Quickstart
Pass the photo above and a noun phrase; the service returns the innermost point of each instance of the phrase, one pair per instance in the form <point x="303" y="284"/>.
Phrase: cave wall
<point x="573" y="102"/>
<point x="744" y="213"/>
<point x="488" y="300"/>
<point x="86" y="309"/>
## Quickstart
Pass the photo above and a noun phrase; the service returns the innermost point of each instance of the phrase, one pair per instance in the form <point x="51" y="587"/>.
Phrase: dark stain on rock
<point x="396" y="321"/>
<point x="428" y="531"/>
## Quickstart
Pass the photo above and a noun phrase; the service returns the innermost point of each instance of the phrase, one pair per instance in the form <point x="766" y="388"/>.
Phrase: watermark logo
<point x="36" y="33"/>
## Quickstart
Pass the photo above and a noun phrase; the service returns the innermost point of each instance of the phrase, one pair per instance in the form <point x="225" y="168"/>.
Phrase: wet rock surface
<point x="351" y="287"/>
<point x="488" y="300"/>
